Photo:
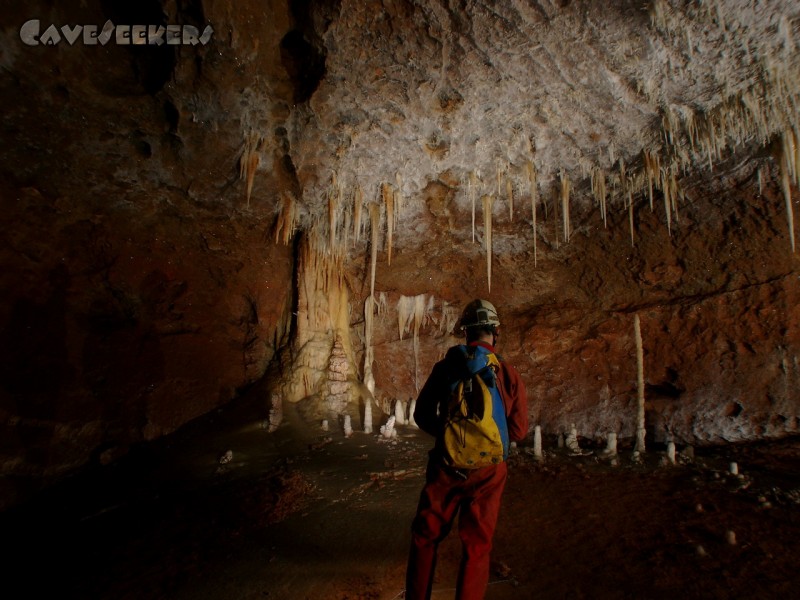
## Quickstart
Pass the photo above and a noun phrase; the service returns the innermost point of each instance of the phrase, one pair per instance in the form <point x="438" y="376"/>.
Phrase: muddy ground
<point x="301" y="513"/>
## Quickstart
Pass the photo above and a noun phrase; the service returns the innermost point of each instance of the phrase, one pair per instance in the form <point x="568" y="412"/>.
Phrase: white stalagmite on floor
<point x="537" y="442"/>
<point x="338" y="392"/>
<point x="572" y="440"/>
<point x="611" y="445"/>
<point x="399" y="412"/>
<point x="368" y="415"/>
<point x="411" y="408"/>
<point x="640" y="429"/>
<point x="671" y="452"/>
<point x="348" y="426"/>
<point x="388" y="431"/>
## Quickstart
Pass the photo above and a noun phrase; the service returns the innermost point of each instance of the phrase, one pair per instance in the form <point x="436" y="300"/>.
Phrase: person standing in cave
<point x="471" y="493"/>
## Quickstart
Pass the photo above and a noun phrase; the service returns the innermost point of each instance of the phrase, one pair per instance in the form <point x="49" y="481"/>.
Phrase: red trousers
<point x="476" y="500"/>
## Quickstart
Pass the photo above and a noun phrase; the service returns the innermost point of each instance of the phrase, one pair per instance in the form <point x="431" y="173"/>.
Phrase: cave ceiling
<point x="488" y="96"/>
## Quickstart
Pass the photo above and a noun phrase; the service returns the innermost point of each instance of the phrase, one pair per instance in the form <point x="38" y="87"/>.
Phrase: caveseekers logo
<point x="124" y="35"/>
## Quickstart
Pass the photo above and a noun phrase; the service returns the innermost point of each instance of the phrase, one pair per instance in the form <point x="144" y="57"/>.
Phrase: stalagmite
<point x="532" y="182"/>
<point x="388" y="197"/>
<point x="368" y="415"/>
<point x="348" y="427"/>
<point x="338" y="389"/>
<point x="572" y="441"/>
<point x="275" y="412"/>
<point x="565" y="204"/>
<point x="611" y="446"/>
<point x="671" y="452"/>
<point x="411" y="408"/>
<point x="399" y="412"/>
<point x="640" y="430"/>
<point x="388" y="430"/>
<point x="488" y="201"/>
<point x="733" y="468"/>
<point x="537" y="442"/>
<point x="324" y="425"/>
<point x="369" y="378"/>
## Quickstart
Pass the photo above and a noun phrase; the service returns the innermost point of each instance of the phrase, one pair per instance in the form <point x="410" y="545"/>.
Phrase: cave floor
<point x="301" y="513"/>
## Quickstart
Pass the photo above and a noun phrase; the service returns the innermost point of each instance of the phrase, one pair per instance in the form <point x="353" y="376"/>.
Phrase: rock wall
<point x="142" y="283"/>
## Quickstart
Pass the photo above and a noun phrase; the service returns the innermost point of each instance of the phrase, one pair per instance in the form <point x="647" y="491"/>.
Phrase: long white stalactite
<point x="531" y="169"/>
<point x="488" y="201"/>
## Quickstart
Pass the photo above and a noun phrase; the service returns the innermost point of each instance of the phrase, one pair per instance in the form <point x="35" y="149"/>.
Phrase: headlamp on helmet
<point x="479" y="313"/>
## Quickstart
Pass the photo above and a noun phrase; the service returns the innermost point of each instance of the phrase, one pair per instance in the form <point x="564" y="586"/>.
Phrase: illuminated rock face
<point x="181" y="222"/>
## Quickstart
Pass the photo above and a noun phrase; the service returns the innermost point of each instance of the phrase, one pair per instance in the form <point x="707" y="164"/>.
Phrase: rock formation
<point x="182" y="221"/>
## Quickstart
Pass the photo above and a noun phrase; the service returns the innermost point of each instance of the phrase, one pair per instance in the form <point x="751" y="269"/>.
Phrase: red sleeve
<point x="515" y="398"/>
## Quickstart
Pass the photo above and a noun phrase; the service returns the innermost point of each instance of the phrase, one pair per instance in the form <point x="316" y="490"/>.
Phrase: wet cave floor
<point x="301" y="513"/>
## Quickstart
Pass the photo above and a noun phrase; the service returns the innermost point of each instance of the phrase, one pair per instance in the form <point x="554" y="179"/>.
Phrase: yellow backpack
<point x="475" y="428"/>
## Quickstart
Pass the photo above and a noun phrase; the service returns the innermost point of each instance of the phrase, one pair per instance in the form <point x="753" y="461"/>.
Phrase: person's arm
<point x="516" y="403"/>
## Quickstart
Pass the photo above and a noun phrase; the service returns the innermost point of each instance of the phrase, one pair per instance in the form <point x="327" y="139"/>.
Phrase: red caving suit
<point x="476" y="497"/>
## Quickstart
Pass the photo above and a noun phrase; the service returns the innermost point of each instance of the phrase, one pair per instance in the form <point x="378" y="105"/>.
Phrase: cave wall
<point x="142" y="288"/>
<point x="717" y="299"/>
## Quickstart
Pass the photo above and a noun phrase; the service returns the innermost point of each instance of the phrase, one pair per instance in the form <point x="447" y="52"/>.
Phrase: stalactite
<point x="488" y="201"/>
<point x="651" y="168"/>
<point x="287" y="218"/>
<point x="420" y="306"/>
<point x="388" y="198"/>
<point x="640" y="425"/>
<point x="472" y="188"/>
<point x="369" y="378"/>
<point x="532" y="183"/>
<point x="788" y="171"/>
<point x="510" y="196"/>
<point x="630" y="215"/>
<point x="374" y="220"/>
<point x="358" y="203"/>
<point x="405" y="314"/>
<point x="565" y="205"/>
<point x="599" y="191"/>
<point x="249" y="161"/>
<point x="332" y="203"/>
<point x="399" y="200"/>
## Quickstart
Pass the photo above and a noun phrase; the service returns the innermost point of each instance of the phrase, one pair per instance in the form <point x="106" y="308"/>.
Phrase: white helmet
<point x="479" y="312"/>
